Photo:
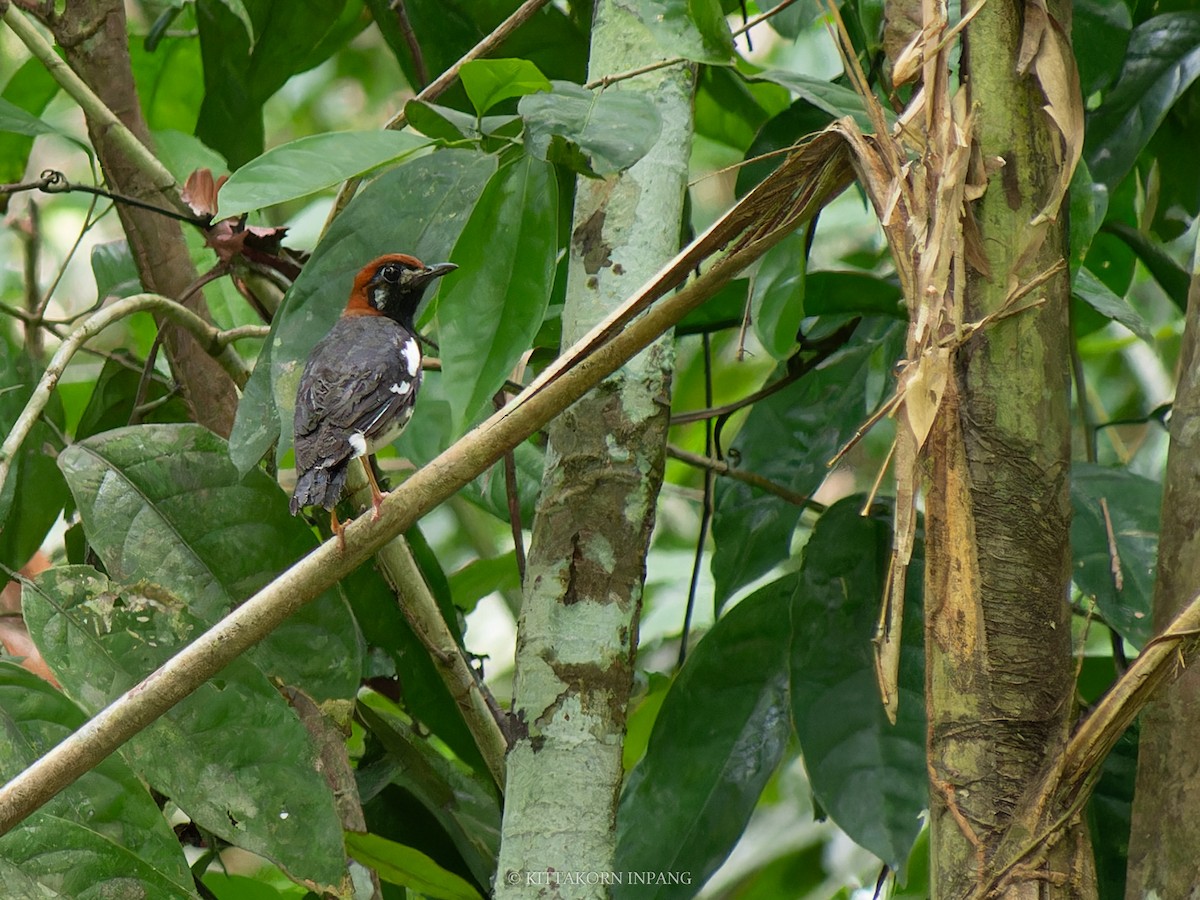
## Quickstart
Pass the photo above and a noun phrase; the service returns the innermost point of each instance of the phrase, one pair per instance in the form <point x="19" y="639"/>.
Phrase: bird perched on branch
<point x="360" y="384"/>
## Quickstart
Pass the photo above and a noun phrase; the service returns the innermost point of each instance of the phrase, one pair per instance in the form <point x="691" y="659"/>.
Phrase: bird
<point x="360" y="383"/>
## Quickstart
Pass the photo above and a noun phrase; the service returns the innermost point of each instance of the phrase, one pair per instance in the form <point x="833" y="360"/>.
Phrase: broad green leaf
<point x="490" y="309"/>
<point x="51" y="856"/>
<point x="1101" y="29"/>
<point x="238" y="78"/>
<point x="719" y="736"/>
<point x="777" y="294"/>
<point x="419" y="208"/>
<point x="409" y="868"/>
<point x="693" y="29"/>
<point x="852" y="292"/>
<point x="311" y="164"/>
<point x="115" y="272"/>
<point x="15" y="120"/>
<point x="612" y="129"/>
<point x="164" y="505"/>
<point x="481" y="577"/>
<point x="1109" y="812"/>
<point x="788" y="438"/>
<point x="30" y="89"/>
<point x="1161" y="62"/>
<point x="232" y="755"/>
<point x="463" y="801"/>
<point x="489" y="81"/>
<point x="114" y="395"/>
<point x="34" y="492"/>
<point x="1096" y="294"/>
<point x="1089" y="205"/>
<point x="868" y="774"/>
<point x="111" y="808"/>
<point x="732" y="110"/>
<point x="170" y="83"/>
<point x="1131" y="527"/>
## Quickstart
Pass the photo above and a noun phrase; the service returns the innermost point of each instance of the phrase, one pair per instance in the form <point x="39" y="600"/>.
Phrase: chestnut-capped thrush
<point x="360" y="384"/>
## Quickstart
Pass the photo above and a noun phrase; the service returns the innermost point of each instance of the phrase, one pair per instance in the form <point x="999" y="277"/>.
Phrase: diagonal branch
<point x="818" y="171"/>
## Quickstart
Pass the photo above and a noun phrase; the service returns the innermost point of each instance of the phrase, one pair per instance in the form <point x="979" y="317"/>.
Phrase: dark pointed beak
<point x="437" y="270"/>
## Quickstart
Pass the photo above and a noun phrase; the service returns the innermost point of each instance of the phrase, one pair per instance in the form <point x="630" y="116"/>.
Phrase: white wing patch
<point x="401" y="388"/>
<point x="412" y="357"/>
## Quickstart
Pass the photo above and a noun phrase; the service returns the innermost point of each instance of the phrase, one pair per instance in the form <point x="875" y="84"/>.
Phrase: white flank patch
<point x="402" y="388"/>
<point x="359" y="443"/>
<point x="412" y="356"/>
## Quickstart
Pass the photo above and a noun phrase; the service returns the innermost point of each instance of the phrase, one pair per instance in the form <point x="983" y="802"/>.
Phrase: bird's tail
<point x="319" y="486"/>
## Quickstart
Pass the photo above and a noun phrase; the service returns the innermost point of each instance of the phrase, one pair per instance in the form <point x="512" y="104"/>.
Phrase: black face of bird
<point x="396" y="288"/>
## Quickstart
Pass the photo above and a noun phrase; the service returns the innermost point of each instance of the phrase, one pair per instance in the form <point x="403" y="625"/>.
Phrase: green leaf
<point x="852" y="292"/>
<point x="311" y="164"/>
<point x="833" y="99"/>
<point x="719" y="736"/>
<point x="395" y="651"/>
<point x="489" y="81"/>
<point x="15" y="120"/>
<point x="238" y="78"/>
<point x="164" y="505"/>
<point x="1134" y="508"/>
<point x="1096" y="294"/>
<point x="419" y="208"/>
<point x="1161" y="62"/>
<point x="777" y="294"/>
<point x="115" y="272"/>
<point x="464" y="802"/>
<point x="612" y="129"/>
<point x="1089" y="205"/>
<point x="868" y="774"/>
<point x="491" y="308"/>
<point x="114" y="394"/>
<point x="109" y="806"/>
<point x="788" y="438"/>
<point x="30" y="89"/>
<point x="232" y="755"/>
<point x="50" y="856"/>
<point x="409" y="868"/>
<point x="481" y="577"/>
<point x="1109" y="812"/>
<point x="34" y="493"/>
<point x="1107" y="26"/>
<point x="693" y="29"/>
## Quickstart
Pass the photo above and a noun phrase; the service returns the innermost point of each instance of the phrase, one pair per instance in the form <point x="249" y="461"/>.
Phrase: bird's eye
<point x="390" y="272"/>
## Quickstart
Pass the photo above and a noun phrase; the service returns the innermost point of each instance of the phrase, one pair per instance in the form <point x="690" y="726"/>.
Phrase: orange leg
<point x="376" y="494"/>
<point x="337" y="528"/>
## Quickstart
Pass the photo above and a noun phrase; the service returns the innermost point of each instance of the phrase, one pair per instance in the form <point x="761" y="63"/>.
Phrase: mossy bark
<point x="583" y="584"/>
<point x="1165" y="831"/>
<point x="1000" y="671"/>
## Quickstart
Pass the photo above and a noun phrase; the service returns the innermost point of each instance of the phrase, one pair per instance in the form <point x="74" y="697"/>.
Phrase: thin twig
<point x="410" y="40"/>
<point x="706" y="509"/>
<point x="723" y="468"/>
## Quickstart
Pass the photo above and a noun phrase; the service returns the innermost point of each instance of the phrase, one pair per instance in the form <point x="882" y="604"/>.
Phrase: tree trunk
<point x="1000" y="674"/>
<point x="93" y="37"/>
<point x="604" y="464"/>
<point x="1165" y="832"/>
